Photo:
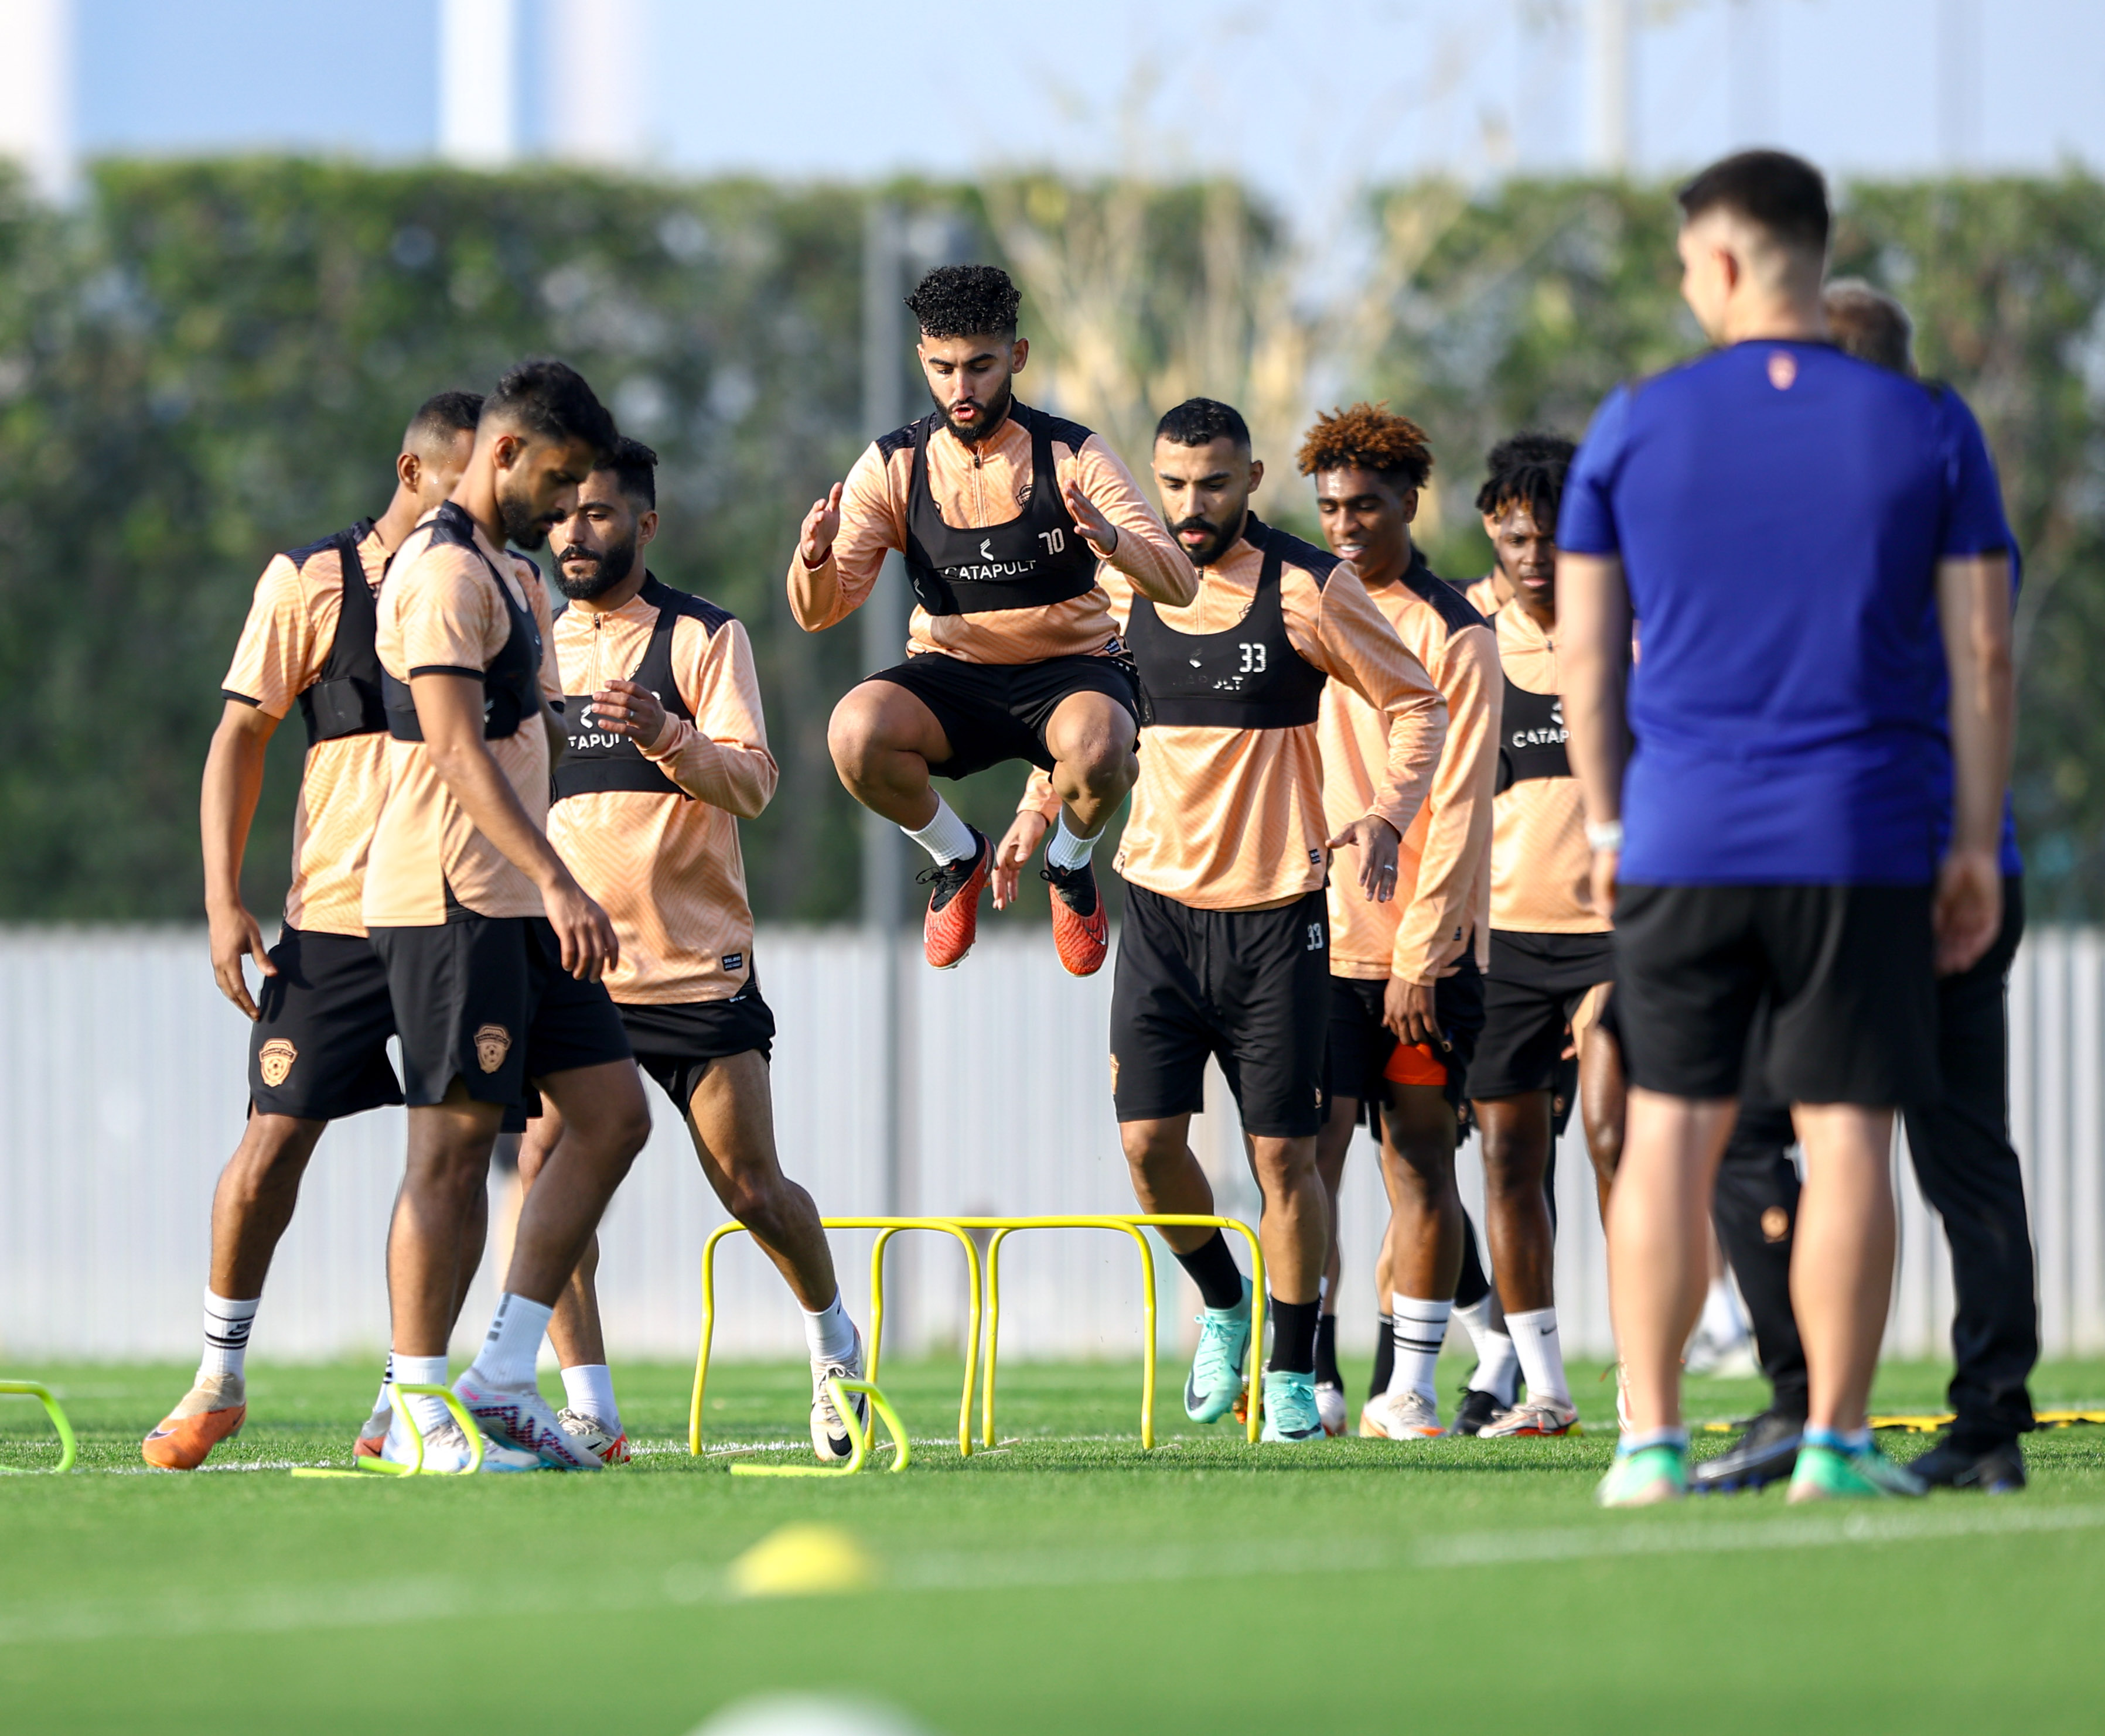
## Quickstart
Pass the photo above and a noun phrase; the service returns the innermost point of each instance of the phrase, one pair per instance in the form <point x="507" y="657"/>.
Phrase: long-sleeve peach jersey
<point x="1232" y="818"/>
<point x="442" y="612"/>
<point x="1541" y="869"/>
<point x="981" y="487"/>
<point x="1443" y="879"/>
<point x="665" y="863"/>
<point x="283" y="648"/>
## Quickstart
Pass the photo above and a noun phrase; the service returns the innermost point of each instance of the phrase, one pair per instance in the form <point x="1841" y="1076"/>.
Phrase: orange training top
<point x="977" y="487"/>
<point x="1541" y="869"/>
<point x="1443" y="881"/>
<point x="440" y="611"/>
<point x="1232" y="820"/>
<point x="1483" y="595"/>
<point x="666" y="867"/>
<point x="284" y="646"/>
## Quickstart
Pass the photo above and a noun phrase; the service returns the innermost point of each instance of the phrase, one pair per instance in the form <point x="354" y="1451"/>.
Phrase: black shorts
<point x="676" y="1044"/>
<point x="1846" y="973"/>
<point x="1360" y="1045"/>
<point x="319" y="1051"/>
<point x="487" y="1000"/>
<point x="1536" y="984"/>
<point x="1251" y="987"/>
<point x="995" y="711"/>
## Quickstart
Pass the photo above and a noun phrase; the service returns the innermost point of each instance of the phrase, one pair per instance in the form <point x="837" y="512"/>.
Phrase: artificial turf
<point x="1065" y="1582"/>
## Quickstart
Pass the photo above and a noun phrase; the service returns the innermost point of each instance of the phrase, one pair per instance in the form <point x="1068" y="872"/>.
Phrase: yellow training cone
<point x="803" y="1561"/>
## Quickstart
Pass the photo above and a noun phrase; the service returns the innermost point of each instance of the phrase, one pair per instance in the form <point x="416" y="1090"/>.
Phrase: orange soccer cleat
<point x="1081" y="934"/>
<point x="953" y="923"/>
<point x="211" y="1412"/>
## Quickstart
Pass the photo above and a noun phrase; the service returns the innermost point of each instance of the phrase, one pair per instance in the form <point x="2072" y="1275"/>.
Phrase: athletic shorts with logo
<point x="993" y="713"/>
<point x="1846" y="971"/>
<point x="1364" y="1060"/>
<point x="675" y="1044"/>
<point x="487" y="1000"/>
<point x="319" y="1050"/>
<point x="1536" y="985"/>
<point x="1249" y="987"/>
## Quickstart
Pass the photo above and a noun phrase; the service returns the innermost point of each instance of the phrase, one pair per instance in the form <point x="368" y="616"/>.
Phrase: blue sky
<point x="1304" y="100"/>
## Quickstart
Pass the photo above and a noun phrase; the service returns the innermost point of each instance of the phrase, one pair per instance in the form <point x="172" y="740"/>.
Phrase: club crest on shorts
<point x="492" y="1042"/>
<point x="275" y="1058"/>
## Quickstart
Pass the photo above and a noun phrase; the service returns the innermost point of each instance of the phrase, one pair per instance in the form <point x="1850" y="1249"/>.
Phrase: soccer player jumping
<point x="1224" y="951"/>
<point x="1008" y="519"/>
<point x="1812" y="543"/>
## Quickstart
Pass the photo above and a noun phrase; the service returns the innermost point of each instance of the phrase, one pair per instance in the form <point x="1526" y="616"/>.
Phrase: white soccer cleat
<point x="829" y="1433"/>
<point x="1399" y="1416"/>
<point x="1536" y="1417"/>
<point x="520" y="1418"/>
<point x="447" y="1452"/>
<point x="1330" y="1407"/>
<point x="607" y="1442"/>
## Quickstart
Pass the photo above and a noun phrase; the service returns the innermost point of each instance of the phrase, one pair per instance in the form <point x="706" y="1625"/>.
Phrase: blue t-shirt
<point x="1780" y="508"/>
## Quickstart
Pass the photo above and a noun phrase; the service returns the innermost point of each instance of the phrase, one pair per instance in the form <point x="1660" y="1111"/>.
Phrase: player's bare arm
<point x="1594" y="649"/>
<point x="1377" y="842"/>
<point x="1974" y="614"/>
<point x="233" y="783"/>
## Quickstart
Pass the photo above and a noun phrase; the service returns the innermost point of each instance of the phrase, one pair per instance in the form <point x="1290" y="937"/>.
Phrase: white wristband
<point x="1608" y="835"/>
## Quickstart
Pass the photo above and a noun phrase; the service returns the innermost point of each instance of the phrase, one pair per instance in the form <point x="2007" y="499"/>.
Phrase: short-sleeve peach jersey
<point x="1541" y="867"/>
<point x="285" y="646"/>
<point x="440" y="612"/>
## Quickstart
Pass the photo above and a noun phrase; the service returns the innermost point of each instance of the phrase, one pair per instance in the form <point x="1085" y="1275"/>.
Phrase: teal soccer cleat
<point x="1216" y="1380"/>
<point x="1289" y="1406"/>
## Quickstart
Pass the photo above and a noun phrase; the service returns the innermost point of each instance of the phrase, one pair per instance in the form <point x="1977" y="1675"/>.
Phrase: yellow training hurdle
<point x="886" y="1228"/>
<point x="1002" y="1228"/>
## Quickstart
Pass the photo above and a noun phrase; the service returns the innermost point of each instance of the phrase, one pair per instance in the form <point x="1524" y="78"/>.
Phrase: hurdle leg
<point x="68" y="1448"/>
<point x="708" y="1331"/>
<point x="877" y="1298"/>
<point x="1257" y="1324"/>
<point x="971" y="1335"/>
<point x="1147" y="1342"/>
<point x="992" y="1334"/>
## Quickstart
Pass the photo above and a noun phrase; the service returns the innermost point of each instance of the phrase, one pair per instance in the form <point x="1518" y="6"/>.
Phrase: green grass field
<point x="1064" y="1582"/>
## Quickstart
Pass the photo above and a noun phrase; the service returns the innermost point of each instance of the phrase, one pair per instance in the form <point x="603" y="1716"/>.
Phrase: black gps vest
<point x="1531" y="736"/>
<point x="1249" y="677"/>
<point x="512" y="684"/>
<point x="344" y="699"/>
<point x="600" y="760"/>
<point x="1036" y="558"/>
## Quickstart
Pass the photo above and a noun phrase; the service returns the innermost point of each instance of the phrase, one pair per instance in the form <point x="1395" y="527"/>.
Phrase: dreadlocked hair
<point x="1366" y="437"/>
<point x="1527" y="471"/>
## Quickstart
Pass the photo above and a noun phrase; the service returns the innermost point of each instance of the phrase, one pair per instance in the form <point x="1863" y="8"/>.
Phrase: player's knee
<point x="853" y="734"/>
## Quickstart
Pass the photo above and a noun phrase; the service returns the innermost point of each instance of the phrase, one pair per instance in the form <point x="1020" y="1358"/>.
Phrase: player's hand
<point x="623" y="708"/>
<point x="589" y="947"/>
<point x="1607" y="864"/>
<point x="822" y="524"/>
<point x="1101" y="533"/>
<point x="1018" y="845"/>
<point x="1968" y="910"/>
<point x="1376" y="841"/>
<point x="1408" y="1011"/>
<point x="236" y="937"/>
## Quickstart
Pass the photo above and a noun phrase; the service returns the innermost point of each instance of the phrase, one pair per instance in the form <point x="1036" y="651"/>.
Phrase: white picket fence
<point x="122" y="1092"/>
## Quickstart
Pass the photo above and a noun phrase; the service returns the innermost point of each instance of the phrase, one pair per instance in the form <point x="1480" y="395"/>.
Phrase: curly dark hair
<point x="966" y="301"/>
<point x="1367" y="437"/>
<point x="1199" y="422"/>
<point x="635" y="467"/>
<point x="550" y="398"/>
<point x="1528" y="470"/>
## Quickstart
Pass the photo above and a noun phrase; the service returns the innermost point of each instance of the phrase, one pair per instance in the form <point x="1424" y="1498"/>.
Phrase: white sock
<point x="512" y="1342"/>
<point x="945" y="838"/>
<point x="1068" y="852"/>
<point x="1722" y="1322"/>
<point x="830" y="1333"/>
<point x="381" y="1407"/>
<point x="1541" y="1354"/>
<point x="1498" y="1369"/>
<point x="589" y="1387"/>
<point x="420" y="1371"/>
<point x="226" y="1326"/>
<point x="1421" y="1327"/>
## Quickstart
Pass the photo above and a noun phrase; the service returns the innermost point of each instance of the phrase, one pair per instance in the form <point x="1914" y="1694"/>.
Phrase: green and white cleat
<point x="1645" y="1478"/>
<point x="1831" y="1474"/>
<point x="1216" y="1380"/>
<point x="1290" y="1413"/>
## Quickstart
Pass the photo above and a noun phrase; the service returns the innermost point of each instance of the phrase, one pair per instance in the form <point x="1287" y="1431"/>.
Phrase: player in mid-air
<point x="1224" y="951"/>
<point x="319" y="1048"/>
<point x="1772" y="837"/>
<point x="1406" y="989"/>
<point x="1008" y="519"/>
<point x="493" y="952"/>
<point x="667" y="753"/>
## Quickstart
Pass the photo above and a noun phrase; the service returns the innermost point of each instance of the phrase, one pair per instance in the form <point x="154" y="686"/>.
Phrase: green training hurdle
<point x="67" y="1449"/>
<point x="886" y="1228"/>
<point x="858" y="1436"/>
<point x="398" y="1396"/>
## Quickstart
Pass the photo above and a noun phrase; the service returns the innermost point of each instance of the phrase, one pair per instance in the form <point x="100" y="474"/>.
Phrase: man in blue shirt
<point x="1810" y="544"/>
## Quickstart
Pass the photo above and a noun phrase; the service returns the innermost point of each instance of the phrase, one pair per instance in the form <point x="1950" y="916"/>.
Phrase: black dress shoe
<point x="1768" y="1453"/>
<point x="1998" y="1467"/>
